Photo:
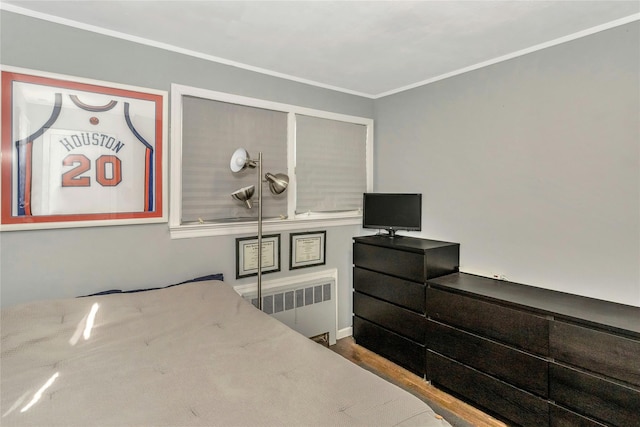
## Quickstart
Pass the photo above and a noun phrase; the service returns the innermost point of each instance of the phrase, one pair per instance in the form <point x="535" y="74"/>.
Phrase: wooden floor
<point x="412" y="383"/>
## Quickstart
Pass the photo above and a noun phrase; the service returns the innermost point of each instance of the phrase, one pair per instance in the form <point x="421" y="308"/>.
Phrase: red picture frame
<point x="79" y="152"/>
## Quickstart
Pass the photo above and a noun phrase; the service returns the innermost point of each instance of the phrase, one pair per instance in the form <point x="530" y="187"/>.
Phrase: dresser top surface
<point x="607" y="314"/>
<point x="405" y="243"/>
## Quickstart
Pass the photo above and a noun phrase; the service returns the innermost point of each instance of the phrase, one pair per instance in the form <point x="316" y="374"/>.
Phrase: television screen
<point x="392" y="211"/>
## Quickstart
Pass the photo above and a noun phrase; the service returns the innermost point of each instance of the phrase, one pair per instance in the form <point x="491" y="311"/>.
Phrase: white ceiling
<point x="370" y="48"/>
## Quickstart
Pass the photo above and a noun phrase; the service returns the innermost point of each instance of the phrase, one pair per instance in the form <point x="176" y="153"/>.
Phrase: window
<point x="211" y="131"/>
<point x="330" y="165"/>
<point x="326" y="155"/>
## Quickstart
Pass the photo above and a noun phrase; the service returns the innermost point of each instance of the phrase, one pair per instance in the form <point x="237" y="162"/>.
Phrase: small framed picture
<point x="307" y="249"/>
<point x="247" y="255"/>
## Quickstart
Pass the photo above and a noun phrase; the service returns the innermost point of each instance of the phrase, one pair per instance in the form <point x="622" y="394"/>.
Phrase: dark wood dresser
<point x="389" y="299"/>
<point x="527" y="355"/>
<point x="532" y="356"/>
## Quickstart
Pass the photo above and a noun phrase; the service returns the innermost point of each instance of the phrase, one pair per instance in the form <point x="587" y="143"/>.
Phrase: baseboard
<point x="343" y="333"/>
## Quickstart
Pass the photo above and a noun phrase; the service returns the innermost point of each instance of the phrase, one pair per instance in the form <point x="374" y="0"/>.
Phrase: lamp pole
<point x="260" y="231"/>
<point x="277" y="184"/>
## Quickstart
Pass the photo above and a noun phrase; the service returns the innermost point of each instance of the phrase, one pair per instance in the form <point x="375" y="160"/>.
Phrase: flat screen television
<point x="392" y="211"/>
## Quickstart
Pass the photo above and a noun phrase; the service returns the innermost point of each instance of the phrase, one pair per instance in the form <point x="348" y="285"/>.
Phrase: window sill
<point x="268" y="226"/>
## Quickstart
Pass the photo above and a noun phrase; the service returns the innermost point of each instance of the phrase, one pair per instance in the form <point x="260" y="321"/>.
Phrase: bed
<point x="196" y="354"/>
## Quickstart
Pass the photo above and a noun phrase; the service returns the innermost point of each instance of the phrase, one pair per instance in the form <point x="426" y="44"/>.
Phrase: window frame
<point x="293" y="221"/>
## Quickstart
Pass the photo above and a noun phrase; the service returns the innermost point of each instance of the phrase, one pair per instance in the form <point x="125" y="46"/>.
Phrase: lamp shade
<point x="240" y="160"/>
<point x="278" y="182"/>
<point x="244" y="195"/>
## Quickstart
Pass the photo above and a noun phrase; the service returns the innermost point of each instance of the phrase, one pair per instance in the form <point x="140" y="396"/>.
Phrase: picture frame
<point x="247" y="255"/>
<point x="307" y="249"/>
<point x="78" y="152"/>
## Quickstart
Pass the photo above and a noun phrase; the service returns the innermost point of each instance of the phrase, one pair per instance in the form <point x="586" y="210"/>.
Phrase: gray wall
<point x="68" y="262"/>
<point x="532" y="164"/>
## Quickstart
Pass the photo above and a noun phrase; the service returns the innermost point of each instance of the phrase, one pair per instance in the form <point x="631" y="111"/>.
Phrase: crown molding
<point x="522" y="52"/>
<point x="176" y="49"/>
<point x="172" y="48"/>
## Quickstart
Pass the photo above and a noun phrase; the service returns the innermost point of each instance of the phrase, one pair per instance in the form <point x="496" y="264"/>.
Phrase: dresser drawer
<point x="400" y="350"/>
<point x="561" y="417"/>
<point x="402" y="292"/>
<point x="397" y="319"/>
<point x="513" y="366"/>
<point x="593" y="396"/>
<point x="408" y="265"/>
<point x="518" y="328"/>
<point x="490" y="393"/>
<point x="600" y="352"/>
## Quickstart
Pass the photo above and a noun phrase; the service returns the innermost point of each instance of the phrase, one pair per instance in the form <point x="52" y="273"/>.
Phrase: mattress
<point x="190" y="355"/>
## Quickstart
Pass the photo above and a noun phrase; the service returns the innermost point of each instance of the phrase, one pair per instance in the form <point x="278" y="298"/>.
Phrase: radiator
<point x="308" y="307"/>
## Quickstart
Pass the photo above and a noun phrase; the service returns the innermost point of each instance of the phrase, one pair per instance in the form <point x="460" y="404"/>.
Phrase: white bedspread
<point x="191" y="355"/>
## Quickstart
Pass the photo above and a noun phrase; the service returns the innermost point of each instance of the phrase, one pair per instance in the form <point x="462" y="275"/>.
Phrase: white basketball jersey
<point x="83" y="153"/>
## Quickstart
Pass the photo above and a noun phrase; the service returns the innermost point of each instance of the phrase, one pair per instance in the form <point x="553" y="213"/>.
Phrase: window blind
<point x="211" y="132"/>
<point x="330" y="165"/>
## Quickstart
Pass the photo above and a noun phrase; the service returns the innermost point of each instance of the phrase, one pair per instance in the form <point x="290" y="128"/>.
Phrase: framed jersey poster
<point x="78" y="152"/>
